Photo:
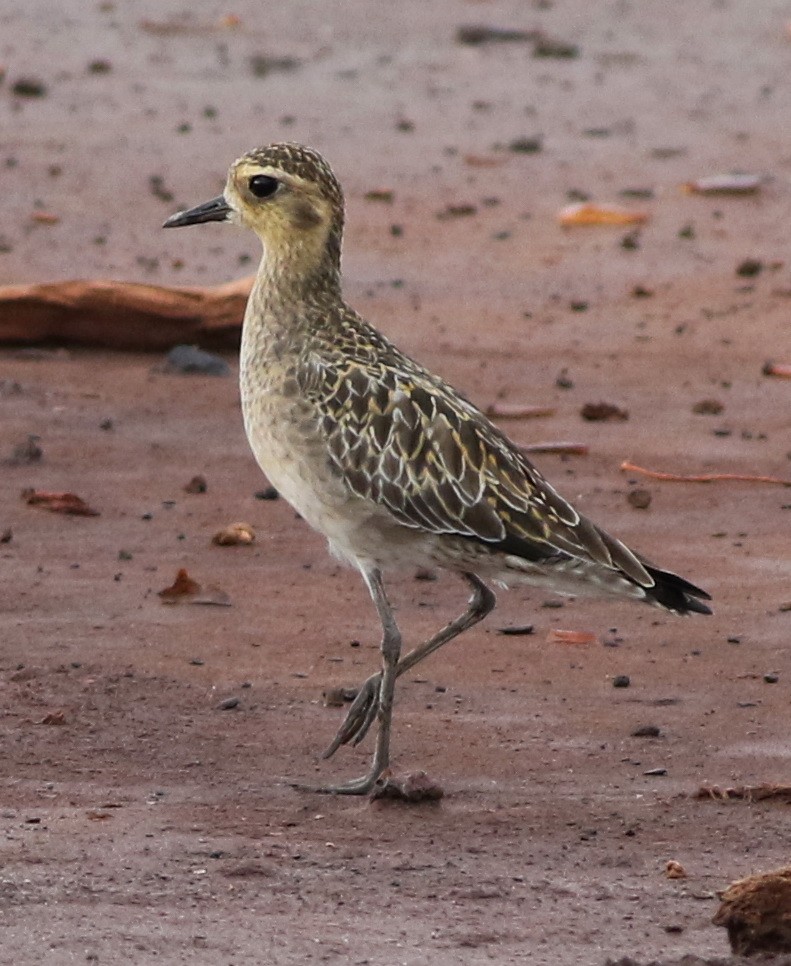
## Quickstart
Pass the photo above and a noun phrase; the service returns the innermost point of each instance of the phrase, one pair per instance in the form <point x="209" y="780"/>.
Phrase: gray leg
<point x="383" y="705"/>
<point x="361" y="714"/>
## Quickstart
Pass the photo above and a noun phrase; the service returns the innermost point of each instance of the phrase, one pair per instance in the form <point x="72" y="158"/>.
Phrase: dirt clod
<point x="414" y="789"/>
<point x="603" y="412"/>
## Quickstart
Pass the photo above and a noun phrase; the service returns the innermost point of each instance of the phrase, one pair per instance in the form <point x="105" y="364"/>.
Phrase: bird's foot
<point x="359" y="719"/>
<point x="357" y="786"/>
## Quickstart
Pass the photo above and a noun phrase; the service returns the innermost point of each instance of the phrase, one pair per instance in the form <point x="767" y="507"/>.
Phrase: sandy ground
<point x="150" y="825"/>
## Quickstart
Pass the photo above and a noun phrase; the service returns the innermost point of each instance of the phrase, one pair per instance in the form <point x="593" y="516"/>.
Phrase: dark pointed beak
<point x="217" y="209"/>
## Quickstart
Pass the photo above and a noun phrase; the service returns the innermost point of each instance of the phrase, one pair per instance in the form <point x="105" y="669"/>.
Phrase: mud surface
<point x="143" y="822"/>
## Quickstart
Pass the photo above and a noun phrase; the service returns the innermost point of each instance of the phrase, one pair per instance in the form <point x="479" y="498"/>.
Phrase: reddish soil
<point x="145" y="824"/>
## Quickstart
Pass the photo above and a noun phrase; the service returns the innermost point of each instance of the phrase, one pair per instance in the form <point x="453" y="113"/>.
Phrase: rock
<point x="190" y="360"/>
<point x="197" y="484"/>
<point x="640" y="499"/>
<point x="414" y="788"/>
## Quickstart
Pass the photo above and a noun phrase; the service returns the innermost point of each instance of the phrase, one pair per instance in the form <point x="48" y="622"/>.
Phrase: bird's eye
<point x="262" y="186"/>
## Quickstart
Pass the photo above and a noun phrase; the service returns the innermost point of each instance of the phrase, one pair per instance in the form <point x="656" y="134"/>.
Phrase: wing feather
<point x="407" y="442"/>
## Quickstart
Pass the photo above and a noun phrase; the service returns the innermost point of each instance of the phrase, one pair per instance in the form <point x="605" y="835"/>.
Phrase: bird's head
<point x="288" y="195"/>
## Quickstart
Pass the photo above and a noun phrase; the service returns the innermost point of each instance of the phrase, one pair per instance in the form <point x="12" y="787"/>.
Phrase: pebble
<point x="190" y="360"/>
<point x="228" y="704"/>
<point x="640" y="499"/>
<point x="621" y="681"/>
<point x="647" y="731"/>
<point x="197" y="484"/>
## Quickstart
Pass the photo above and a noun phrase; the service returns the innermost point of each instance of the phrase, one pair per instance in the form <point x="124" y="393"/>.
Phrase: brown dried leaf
<point x="59" y="502"/>
<point x="54" y="718"/>
<point x="558" y="636"/>
<point x="45" y="218"/>
<point x="234" y="535"/>
<point x="185" y="590"/>
<point x="588" y="213"/>
<point x="484" y="160"/>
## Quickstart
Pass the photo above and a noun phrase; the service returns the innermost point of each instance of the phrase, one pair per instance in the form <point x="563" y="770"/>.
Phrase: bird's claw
<point x="359" y="717"/>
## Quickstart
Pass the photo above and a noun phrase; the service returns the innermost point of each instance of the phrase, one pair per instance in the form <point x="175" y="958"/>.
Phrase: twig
<point x="562" y="449"/>
<point x="629" y="467"/>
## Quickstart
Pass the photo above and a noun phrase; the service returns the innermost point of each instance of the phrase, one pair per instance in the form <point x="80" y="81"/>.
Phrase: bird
<point x="394" y="466"/>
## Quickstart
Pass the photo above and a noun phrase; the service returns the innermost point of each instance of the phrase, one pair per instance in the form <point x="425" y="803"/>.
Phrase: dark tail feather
<point x="675" y="593"/>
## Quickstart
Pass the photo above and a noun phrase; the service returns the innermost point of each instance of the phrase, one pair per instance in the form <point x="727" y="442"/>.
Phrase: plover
<point x="389" y="462"/>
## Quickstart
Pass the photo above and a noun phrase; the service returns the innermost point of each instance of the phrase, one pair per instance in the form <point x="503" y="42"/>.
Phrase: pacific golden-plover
<point x="389" y="462"/>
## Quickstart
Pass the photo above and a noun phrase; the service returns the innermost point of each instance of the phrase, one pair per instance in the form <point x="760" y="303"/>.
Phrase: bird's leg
<point x="381" y="699"/>
<point x="362" y="712"/>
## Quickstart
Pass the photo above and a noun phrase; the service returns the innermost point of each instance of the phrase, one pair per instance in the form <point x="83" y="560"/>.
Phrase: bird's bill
<point x="217" y="209"/>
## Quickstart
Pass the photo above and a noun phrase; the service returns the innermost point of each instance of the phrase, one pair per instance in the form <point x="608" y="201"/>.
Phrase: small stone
<point x="640" y="499"/>
<point x="262" y="64"/>
<point x="621" y="681"/>
<point x="333" y="697"/>
<point x="28" y="87"/>
<point x="197" y="484"/>
<point x="517" y="631"/>
<point x="655" y="772"/>
<point x="228" y="704"/>
<point x="771" y="678"/>
<point x="675" y="870"/>
<point x="26" y="452"/>
<point x="525" y="145"/>
<point x="749" y="267"/>
<point x="708" y="407"/>
<point x="426" y="574"/>
<point x="603" y="412"/>
<point x="190" y="360"/>
<point x="647" y="731"/>
<point x="546" y="47"/>
<point x="414" y="789"/>
<point x="270" y="493"/>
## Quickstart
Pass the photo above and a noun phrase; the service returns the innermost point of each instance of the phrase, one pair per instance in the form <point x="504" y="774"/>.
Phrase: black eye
<point x="262" y="186"/>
